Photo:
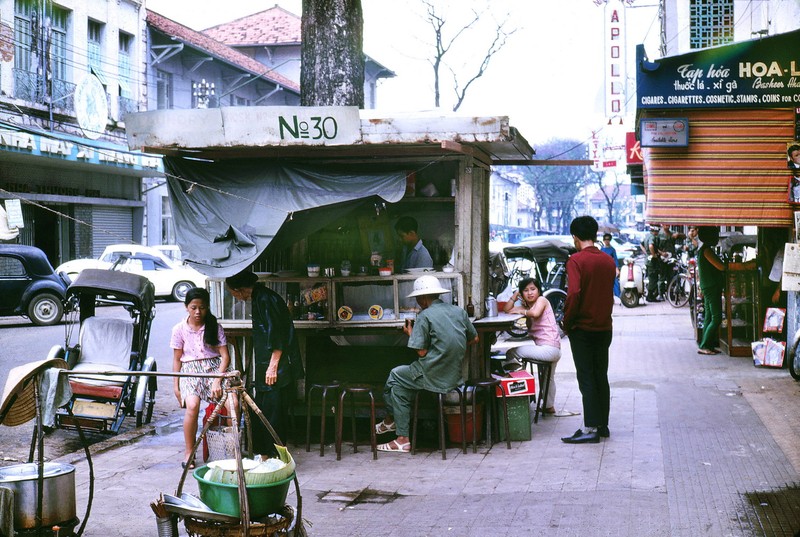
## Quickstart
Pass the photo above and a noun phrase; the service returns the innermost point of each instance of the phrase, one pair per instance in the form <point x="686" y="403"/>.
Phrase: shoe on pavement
<point x="581" y="437"/>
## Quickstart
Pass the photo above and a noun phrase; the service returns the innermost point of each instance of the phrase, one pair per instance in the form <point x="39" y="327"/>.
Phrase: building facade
<point x="69" y="74"/>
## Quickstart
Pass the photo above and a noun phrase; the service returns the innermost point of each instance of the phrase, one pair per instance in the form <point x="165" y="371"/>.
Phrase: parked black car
<point x="29" y="286"/>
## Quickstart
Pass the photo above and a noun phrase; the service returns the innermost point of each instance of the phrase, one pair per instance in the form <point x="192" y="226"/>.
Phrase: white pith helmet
<point x="427" y="285"/>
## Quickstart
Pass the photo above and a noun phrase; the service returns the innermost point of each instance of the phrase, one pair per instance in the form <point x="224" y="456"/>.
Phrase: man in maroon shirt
<point x="587" y="322"/>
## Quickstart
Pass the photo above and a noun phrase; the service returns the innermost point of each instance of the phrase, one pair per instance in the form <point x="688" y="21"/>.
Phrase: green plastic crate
<point x="519" y="417"/>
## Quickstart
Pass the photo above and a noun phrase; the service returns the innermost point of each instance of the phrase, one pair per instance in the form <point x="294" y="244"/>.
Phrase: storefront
<point x="77" y="195"/>
<point x="281" y="188"/>
<point x="715" y="127"/>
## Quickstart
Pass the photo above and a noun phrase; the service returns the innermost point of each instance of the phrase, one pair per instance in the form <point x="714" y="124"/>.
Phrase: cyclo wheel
<point x="557" y="299"/>
<point x="520" y="329"/>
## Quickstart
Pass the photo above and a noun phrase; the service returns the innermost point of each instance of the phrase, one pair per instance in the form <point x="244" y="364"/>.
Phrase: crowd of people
<point x="442" y="331"/>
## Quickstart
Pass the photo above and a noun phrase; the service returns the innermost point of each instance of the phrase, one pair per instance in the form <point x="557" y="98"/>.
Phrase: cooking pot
<point x="58" y="493"/>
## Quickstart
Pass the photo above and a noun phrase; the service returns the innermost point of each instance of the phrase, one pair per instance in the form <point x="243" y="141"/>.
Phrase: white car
<point x="171" y="279"/>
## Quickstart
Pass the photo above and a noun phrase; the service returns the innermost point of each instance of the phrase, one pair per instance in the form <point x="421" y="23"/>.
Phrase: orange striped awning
<point x="733" y="172"/>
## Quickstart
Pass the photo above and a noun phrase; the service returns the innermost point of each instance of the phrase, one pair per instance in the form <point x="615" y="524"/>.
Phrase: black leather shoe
<point x="603" y="431"/>
<point x="582" y="438"/>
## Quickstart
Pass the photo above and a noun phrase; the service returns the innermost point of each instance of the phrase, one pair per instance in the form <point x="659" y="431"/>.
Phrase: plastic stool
<point x="324" y="388"/>
<point x="462" y="409"/>
<point x="353" y="390"/>
<point x="490" y="385"/>
<point x="544" y="370"/>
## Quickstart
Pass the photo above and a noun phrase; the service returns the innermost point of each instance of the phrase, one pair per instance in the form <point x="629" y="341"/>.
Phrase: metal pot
<point x="58" y="493"/>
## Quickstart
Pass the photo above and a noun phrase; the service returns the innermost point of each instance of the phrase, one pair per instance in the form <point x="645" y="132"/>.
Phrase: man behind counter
<point x="415" y="255"/>
<point x="440" y="337"/>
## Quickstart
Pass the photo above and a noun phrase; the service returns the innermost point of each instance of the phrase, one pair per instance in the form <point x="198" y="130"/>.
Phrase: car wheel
<point x="45" y="309"/>
<point x="180" y="290"/>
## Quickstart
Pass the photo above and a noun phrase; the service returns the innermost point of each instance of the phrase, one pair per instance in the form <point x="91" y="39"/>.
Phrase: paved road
<point x="24" y="342"/>
<point x="699" y="446"/>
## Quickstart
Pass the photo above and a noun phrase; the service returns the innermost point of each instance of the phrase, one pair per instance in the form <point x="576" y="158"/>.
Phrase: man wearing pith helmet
<point x="440" y="337"/>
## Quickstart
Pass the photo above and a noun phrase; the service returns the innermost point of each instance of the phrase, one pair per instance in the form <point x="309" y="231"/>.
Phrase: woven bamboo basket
<point x="275" y="525"/>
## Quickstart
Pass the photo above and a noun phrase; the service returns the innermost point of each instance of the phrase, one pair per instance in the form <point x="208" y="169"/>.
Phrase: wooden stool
<point x="544" y="371"/>
<point x="324" y="387"/>
<point x="490" y="385"/>
<point x="462" y="409"/>
<point x="353" y="390"/>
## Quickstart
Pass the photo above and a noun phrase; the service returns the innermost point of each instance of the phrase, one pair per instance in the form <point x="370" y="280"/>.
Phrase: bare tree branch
<point x="498" y="43"/>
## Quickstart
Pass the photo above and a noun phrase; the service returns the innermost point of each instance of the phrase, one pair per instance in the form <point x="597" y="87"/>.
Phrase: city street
<point x="24" y="342"/>
<point x="699" y="446"/>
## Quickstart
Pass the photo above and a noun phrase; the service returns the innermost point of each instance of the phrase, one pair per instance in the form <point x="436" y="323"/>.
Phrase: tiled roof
<point x="275" y="26"/>
<point x="216" y="49"/>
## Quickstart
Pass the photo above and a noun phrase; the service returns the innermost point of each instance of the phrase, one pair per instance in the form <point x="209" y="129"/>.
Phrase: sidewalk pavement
<point x="700" y="445"/>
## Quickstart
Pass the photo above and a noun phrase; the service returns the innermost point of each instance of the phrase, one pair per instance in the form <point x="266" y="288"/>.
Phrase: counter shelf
<point x="357" y="292"/>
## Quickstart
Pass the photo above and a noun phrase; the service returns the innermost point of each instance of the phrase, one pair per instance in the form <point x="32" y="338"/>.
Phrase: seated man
<point x="440" y="336"/>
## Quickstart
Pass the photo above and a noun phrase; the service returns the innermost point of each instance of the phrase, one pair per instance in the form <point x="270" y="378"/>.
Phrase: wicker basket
<point x="221" y="443"/>
<point x="272" y="526"/>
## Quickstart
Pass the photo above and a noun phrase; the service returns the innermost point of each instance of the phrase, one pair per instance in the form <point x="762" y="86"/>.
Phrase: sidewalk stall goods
<point x="308" y="198"/>
<point x="716" y="127"/>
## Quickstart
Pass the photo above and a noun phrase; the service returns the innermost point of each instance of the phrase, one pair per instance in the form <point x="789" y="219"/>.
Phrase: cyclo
<point x="109" y="340"/>
<point x="546" y="261"/>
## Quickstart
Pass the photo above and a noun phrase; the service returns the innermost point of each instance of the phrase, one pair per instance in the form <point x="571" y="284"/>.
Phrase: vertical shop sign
<point x="615" y="58"/>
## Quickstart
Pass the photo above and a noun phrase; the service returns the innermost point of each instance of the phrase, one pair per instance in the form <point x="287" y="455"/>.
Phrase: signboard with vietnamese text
<point x="760" y="73"/>
<point x="664" y="132"/>
<point x="14" y="213"/>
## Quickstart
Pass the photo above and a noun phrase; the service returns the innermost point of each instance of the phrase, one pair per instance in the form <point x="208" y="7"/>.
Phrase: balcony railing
<point x="30" y="87"/>
<point x="127" y="106"/>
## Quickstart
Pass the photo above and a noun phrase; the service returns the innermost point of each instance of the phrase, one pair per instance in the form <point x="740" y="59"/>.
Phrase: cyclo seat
<point x="105" y="345"/>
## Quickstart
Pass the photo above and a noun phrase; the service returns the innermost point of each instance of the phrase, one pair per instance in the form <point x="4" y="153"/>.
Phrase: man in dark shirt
<point x="587" y="322"/>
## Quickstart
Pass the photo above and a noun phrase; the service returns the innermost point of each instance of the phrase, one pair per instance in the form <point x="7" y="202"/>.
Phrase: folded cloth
<point x="54" y="392"/>
<point x="6" y="512"/>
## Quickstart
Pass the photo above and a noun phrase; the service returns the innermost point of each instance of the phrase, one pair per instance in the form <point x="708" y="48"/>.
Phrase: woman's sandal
<point x="395" y="446"/>
<point x="707" y="352"/>
<point x="382" y="427"/>
<point x="183" y="465"/>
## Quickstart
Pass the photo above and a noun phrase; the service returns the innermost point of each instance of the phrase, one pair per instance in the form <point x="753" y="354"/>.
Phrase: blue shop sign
<point x="73" y="150"/>
<point x="762" y="73"/>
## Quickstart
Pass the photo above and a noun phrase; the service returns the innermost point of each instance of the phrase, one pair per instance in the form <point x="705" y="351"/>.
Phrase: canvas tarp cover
<point x="227" y="212"/>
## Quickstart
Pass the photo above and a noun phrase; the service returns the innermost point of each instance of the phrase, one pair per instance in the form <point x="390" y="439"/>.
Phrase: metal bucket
<point x="58" y="493"/>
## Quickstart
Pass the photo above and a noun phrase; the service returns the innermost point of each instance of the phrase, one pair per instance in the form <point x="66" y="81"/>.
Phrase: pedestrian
<point x="542" y="330"/>
<point x="439" y="335"/>
<point x="711" y="271"/>
<point x="277" y="357"/>
<point x="415" y="255"/>
<point x="653" y="265"/>
<point x="587" y="322"/>
<point x="198" y="346"/>
<point x="610" y="250"/>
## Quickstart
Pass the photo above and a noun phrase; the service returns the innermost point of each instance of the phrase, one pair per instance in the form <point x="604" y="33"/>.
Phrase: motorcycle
<point x="631" y="282"/>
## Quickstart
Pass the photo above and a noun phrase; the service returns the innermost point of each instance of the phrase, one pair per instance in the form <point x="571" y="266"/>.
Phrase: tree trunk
<point x="332" y="57"/>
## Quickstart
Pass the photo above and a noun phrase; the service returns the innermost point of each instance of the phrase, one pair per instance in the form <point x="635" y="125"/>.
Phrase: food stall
<point x="308" y="197"/>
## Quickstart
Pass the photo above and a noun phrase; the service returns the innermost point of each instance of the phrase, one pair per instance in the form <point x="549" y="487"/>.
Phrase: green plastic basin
<point x="263" y="499"/>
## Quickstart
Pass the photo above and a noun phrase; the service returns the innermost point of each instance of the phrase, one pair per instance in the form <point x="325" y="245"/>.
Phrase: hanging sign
<point x="664" y="132"/>
<point x="14" y="213"/>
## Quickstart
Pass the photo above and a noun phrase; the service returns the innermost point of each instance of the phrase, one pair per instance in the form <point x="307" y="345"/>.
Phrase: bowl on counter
<point x="313" y="271"/>
<point x="385" y="271"/>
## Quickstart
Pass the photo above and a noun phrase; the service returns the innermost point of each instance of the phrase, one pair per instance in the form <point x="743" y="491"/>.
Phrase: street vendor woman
<point x="440" y="337"/>
<point x="277" y="356"/>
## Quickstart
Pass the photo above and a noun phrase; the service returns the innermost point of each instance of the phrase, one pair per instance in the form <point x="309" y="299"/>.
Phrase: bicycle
<point x="679" y="290"/>
<point x="794" y="359"/>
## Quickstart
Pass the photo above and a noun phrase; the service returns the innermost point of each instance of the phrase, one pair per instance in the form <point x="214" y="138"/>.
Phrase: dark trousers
<point x="271" y="403"/>
<point x="590" y="352"/>
<point x="653" y="274"/>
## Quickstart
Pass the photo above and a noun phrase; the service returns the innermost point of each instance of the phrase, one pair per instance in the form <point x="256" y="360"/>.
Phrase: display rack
<point x="316" y="302"/>
<point x="740" y="324"/>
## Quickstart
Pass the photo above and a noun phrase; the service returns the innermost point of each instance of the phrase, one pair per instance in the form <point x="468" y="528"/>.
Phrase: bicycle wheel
<point x="678" y="291"/>
<point x="794" y="359"/>
<point x="557" y="299"/>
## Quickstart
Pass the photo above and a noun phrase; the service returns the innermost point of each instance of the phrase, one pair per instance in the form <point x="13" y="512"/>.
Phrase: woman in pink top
<point x="199" y="346"/>
<point x="542" y="329"/>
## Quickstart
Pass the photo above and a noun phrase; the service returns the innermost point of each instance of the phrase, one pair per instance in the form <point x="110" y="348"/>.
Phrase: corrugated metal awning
<point x="732" y="173"/>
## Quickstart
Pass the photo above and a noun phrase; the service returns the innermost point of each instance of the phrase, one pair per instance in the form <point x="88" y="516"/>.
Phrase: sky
<point x="548" y="79"/>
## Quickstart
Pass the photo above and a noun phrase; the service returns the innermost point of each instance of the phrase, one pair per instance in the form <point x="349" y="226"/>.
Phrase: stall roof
<point x="250" y="132"/>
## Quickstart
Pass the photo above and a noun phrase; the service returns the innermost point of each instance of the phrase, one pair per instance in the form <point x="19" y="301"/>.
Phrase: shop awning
<point x="732" y="173"/>
<point x="227" y="213"/>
